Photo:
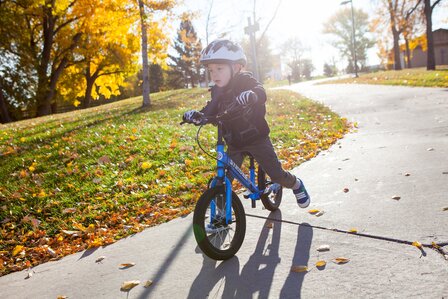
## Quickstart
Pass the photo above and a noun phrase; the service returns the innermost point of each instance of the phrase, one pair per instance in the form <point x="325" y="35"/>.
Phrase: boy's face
<point x="222" y="73"/>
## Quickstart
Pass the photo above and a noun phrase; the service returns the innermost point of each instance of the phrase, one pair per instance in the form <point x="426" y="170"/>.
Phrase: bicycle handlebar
<point x="232" y="112"/>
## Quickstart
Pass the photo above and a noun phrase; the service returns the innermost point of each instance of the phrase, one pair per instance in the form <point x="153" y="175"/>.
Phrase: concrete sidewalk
<point x="401" y="130"/>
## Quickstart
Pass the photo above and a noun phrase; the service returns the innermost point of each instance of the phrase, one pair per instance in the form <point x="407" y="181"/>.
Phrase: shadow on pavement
<point x="258" y="273"/>
<point x="293" y="284"/>
<point x="168" y="261"/>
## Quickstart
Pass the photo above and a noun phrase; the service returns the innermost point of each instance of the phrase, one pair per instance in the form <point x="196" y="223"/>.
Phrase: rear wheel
<point x="273" y="197"/>
<point x="216" y="238"/>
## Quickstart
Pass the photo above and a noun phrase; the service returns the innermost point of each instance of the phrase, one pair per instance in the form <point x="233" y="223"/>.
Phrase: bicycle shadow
<point x="256" y="275"/>
<point x="293" y="284"/>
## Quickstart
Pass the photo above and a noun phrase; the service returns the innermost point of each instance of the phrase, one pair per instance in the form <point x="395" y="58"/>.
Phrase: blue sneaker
<point x="302" y="197"/>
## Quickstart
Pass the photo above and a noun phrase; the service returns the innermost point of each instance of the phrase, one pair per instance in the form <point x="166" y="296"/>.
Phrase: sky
<point x="295" y="18"/>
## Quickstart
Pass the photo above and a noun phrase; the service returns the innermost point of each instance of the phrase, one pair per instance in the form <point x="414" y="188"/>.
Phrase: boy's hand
<point x="247" y="97"/>
<point x="193" y="116"/>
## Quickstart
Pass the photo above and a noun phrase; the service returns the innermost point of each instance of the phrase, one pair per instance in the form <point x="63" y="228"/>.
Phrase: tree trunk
<point x="408" y="53"/>
<point x="43" y="101"/>
<point x="88" y="95"/>
<point x="397" y="61"/>
<point x="4" y="113"/>
<point x="146" y="87"/>
<point x="431" y="59"/>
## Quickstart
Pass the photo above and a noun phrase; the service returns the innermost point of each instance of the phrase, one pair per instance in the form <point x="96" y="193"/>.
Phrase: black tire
<point x="272" y="200"/>
<point x="228" y="238"/>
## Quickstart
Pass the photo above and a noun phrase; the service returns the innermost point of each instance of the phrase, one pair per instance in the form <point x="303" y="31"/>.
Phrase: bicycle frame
<point x="225" y="162"/>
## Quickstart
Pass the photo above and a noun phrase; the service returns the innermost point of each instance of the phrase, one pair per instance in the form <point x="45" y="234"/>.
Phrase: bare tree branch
<point x="272" y="19"/>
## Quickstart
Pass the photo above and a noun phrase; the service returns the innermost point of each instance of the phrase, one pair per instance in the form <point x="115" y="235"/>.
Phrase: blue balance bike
<point x="219" y="220"/>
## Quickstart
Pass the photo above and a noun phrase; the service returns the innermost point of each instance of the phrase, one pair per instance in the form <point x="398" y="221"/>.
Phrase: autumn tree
<point x="292" y="52"/>
<point x="340" y="26"/>
<point x="188" y="48"/>
<point x="105" y="56"/>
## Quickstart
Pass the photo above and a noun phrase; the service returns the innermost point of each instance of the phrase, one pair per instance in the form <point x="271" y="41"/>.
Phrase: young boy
<point x="225" y="60"/>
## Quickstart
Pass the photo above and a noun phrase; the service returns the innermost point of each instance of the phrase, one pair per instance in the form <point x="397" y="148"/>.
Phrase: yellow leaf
<point x="320" y="263"/>
<point x="42" y="194"/>
<point x="128" y="285"/>
<point x="91" y="228"/>
<point x="313" y="211"/>
<point x="353" y="230"/>
<point x="17" y="250"/>
<point x="31" y="168"/>
<point x="134" y="130"/>
<point x="22" y="139"/>
<point x="148" y="283"/>
<point x="434" y="245"/>
<point x="133" y="138"/>
<point x="76" y="103"/>
<point x="146" y="165"/>
<point x="127" y="265"/>
<point x="299" y="269"/>
<point x="341" y="260"/>
<point x="417" y="244"/>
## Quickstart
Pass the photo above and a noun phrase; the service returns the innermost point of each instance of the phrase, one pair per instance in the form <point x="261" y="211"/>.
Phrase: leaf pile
<point x="88" y="178"/>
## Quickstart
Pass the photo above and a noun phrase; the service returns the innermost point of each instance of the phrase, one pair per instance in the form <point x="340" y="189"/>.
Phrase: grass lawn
<point x="406" y="77"/>
<point x="88" y="178"/>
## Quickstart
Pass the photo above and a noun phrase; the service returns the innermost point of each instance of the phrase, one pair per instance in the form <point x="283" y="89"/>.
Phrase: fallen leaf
<point x="127" y="265"/>
<point x="62" y="297"/>
<point x="417" y="244"/>
<point x="148" y="283"/>
<point x="353" y="231"/>
<point x="71" y="232"/>
<point x="104" y="160"/>
<point x="69" y="211"/>
<point x="396" y="197"/>
<point x="128" y="285"/>
<point x="434" y="245"/>
<point x="270" y="225"/>
<point x="323" y="248"/>
<point x="430" y="149"/>
<point x="100" y="259"/>
<point x="320" y="213"/>
<point x="341" y="260"/>
<point x="445" y="209"/>
<point x="146" y="165"/>
<point x="17" y="250"/>
<point x="299" y="269"/>
<point x="346" y="190"/>
<point x="313" y="211"/>
<point x="407" y="174"/>
<point x="321" y="263"/>
<point x="30" y="274"/>
<point x="51" y="252"/>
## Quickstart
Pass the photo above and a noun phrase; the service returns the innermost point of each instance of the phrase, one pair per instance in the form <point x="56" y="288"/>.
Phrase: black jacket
<point x="245" y="130"/>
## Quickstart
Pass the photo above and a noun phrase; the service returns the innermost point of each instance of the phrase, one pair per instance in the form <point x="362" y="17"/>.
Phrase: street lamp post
<point x="354" y="37"/>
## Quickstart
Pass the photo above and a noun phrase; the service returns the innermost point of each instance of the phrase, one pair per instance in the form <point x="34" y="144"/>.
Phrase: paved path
<point x="397" y="126"/>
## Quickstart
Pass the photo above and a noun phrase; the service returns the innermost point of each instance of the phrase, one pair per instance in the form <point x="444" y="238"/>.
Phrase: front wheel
<point x="216" y="238"/>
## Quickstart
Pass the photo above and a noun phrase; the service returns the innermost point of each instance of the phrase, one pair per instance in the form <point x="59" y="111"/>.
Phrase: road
<point x="400" y="148"/>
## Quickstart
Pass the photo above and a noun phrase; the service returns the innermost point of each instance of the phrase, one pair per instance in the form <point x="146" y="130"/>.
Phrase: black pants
<point x="263" y="152"/>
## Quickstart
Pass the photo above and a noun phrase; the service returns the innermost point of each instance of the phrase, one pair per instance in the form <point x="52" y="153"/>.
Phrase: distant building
<point x="419" y="54"/>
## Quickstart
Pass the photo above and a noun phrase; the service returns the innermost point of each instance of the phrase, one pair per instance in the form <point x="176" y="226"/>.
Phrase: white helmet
<point x="223" y="51"/>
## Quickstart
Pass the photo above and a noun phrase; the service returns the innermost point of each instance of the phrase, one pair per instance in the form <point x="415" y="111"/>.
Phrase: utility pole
<point x="250" y="30"/>
<point x="354" y="37"/>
